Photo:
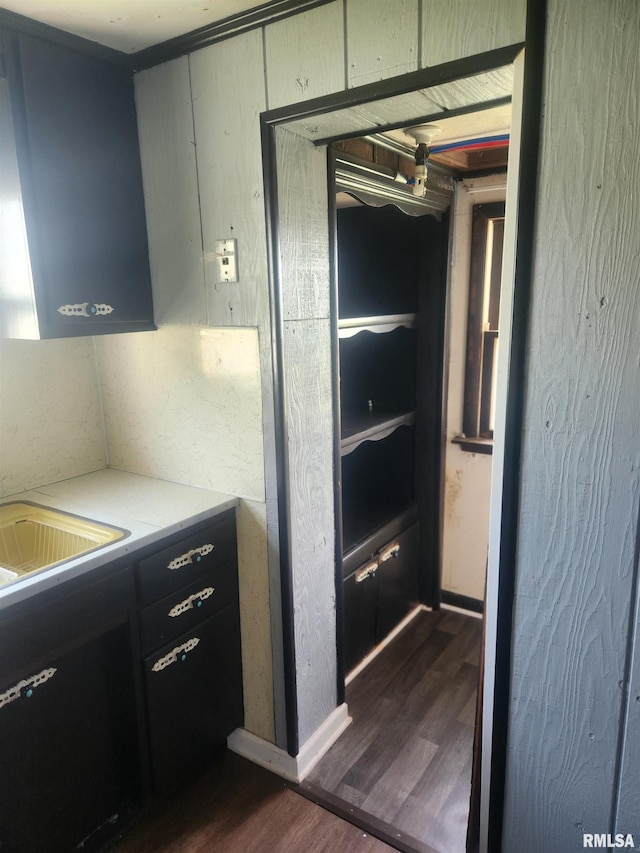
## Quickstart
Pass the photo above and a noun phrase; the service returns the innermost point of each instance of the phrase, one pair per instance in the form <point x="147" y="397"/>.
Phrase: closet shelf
<point x="348" y="327"/>
<point x="357" y="428"/>
<point x="359" y="527"/>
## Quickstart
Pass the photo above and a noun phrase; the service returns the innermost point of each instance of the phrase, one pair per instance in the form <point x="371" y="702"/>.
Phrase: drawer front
<point x="397" y="580"/>
<point x="185" y="560"/>
<point x="31" y="639"/>
<point x="182" y="610"/>
<point x="194" y="697"/>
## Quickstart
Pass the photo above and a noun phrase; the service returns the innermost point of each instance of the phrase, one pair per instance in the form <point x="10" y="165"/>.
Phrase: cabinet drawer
<point x="194" y="696"/>
<point x="52" y="623"/>
<point x="182" y="610"/>
<point x="187" y="559"/>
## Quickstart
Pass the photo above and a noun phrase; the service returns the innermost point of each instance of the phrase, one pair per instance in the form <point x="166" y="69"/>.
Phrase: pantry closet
<point x="390" y="249"/>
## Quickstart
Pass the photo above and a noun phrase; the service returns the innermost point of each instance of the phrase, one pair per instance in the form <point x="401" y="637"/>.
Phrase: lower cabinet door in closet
<point x="194" y="697"/>
<point x="360" y="606"/>
<point x="397" y="580"/>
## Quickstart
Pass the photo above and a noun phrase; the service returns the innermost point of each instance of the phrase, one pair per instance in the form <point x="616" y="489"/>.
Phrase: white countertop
<point x="149" y="509"/>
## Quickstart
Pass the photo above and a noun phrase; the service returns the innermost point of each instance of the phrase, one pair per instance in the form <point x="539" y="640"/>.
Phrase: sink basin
<point x="34" y="537"/>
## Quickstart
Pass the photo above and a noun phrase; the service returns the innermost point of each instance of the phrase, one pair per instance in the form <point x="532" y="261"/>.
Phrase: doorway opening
<point x="307" y="419"/>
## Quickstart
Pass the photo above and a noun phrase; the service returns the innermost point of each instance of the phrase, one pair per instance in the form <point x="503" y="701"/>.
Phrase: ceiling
<point x="129" y="25"/>
<point x="133" y="25"/>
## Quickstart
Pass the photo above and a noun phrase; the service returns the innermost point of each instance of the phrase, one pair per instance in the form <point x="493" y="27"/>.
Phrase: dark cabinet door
<point x="66" y="740"/>
<point x="397" y="580"/>
<point x="77" y="146"/>
<point x="194" y="697"/>
<point x="360" y="613"/>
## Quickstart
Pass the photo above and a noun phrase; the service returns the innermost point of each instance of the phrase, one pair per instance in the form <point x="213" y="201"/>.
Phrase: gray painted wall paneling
<point x="410" y="107"/>
<point x="227" y="81"/>
<point x="305" y="56"/>
<point x="629" y="797"/>
<point x="578" y="521"/>
<point x="304" y="229"/>
<point x="479" y="89"/>
<point x="165" y="126"/>
<point x="382" y="39"/>
<point x="460" y="28"/>
<point x="307" y="358"/>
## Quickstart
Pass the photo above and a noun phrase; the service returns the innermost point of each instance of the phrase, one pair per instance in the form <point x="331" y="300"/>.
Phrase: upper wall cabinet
<point x="73" y="242"/>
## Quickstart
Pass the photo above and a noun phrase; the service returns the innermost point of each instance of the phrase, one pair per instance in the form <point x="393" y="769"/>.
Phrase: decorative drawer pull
<point x="179" y="653"/>
<point x="367" y="571"/>
<point x="197" y="598"/>
<point x="195" y="554"/>
<point x="26" y="687"/>
<point x="390" y="551"/>
<point x="85" y="309"/>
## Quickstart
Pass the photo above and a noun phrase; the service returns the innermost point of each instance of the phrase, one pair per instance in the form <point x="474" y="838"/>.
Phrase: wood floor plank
<point x="421" y="695"/>
<point x="449" y="703"/>
<point x="463" y="648"/>
<point x="467" y="715"/>
<point x="434" y="791"/>
<point x="380" y="753"/>
<point x="399" y="779"/>
<point x="241" y="808"/>
<point x="350" y="747"/>
<point x="382" y="669"/>
<point x="420" y="662"/>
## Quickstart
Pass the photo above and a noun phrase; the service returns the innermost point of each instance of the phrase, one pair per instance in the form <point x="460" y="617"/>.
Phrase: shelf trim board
<point x="360" y="552"/>
<point x="376" y="432"/>
<point x="349" y="327"/>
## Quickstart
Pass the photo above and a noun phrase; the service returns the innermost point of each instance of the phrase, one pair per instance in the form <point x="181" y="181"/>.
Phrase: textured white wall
<point x="183" y="404"/>
<point x="467" y="491"/>
<point x="50" y="416"/>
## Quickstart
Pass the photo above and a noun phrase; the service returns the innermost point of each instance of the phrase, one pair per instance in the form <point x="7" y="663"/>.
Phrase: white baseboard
<point x="292" y="768"/>
<point x="455" y="609"/>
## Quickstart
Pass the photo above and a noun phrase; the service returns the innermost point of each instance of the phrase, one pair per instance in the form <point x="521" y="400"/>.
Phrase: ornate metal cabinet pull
<point x="367" y="571"/>
<point x="194" y="555"/>
<point x="26" y="687"/>
<point x="85" y="309"/>
<point x="197" y="598"/>
<point x="390" y="551"/>
<point x="179" y="653"/>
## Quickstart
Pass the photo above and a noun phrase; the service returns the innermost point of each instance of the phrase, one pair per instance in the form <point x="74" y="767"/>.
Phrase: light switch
<point x="227" y="260"/>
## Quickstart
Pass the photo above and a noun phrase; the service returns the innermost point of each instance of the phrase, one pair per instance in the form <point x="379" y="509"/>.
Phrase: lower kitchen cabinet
<point x="69" y="770"/>
<point x="189" y="633"/>
<point x="116" y="685"/>
<point x="379" y="593"/>
<point x="194" y="697"/>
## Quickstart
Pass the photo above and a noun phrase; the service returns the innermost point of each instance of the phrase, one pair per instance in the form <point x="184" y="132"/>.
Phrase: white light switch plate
<point x="227" y="260"/>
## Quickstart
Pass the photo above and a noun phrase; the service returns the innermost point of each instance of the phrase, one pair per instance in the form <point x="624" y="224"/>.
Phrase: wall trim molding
<point x="234" y="25"/>
<point x="293" y="768"/>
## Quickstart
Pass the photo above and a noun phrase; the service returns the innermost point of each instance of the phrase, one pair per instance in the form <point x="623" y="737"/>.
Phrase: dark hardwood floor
<point x="240" y="808"/>
<point x="401" y="770"/>
<point x="406" y="759"/>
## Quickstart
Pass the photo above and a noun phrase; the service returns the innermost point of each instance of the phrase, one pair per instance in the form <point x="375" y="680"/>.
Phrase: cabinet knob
<point x="24" y="689"/>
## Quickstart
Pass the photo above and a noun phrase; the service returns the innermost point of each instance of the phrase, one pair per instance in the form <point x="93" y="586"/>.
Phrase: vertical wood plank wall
<point x="579" y="501"/>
